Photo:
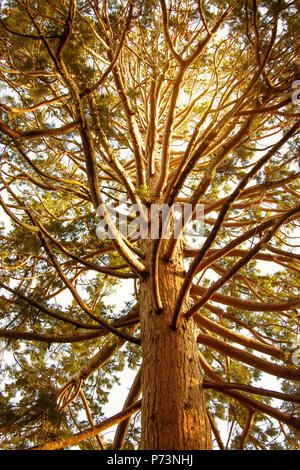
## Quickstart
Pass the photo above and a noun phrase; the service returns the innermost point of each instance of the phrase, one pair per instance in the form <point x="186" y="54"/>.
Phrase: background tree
<point x="162" y="103"/>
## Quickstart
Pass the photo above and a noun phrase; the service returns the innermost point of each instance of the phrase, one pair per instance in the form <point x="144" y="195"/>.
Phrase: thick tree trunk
<point x="173" y="412"/>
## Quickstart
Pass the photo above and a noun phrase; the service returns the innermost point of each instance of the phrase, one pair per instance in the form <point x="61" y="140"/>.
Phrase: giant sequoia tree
<point x="160" y="104"/>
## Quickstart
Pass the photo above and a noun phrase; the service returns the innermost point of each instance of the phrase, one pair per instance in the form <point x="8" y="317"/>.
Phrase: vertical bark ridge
<point x="174" y="414"/>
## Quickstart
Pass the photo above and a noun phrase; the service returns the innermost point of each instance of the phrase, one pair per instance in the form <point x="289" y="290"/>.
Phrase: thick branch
<point x="81" y="436"/>
<point x="285" y="372"/>
<point x="247" y="304"/>
<point x="243" y="261"/>
<point x="250" y="389"/>
<point x="250" y="403"/>
<point x="240" y="339"/>
<point x="133" y="395"/>
<point x="36" y="133"/>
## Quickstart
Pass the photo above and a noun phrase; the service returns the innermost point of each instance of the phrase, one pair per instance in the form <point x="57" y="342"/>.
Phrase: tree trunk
<point x="173" y="410"/>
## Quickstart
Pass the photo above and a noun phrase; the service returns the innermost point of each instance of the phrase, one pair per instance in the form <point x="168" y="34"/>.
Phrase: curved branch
<point x="49" y="339"/>
<point x="213" y="234"/>
<point x="81" y="436"/>
<point x="207" y="384"/>
<point x="241" y="263"/>
<point x="240" y="339"/>
<point x="49" y="312"/>
<point x="285" y="372"/>
<point x="247" y="304"/>
<point x="36" y="133"/>
<point x="251" y="403"/>
<point x="133" y="395"/>
<point x="245" y="435"/>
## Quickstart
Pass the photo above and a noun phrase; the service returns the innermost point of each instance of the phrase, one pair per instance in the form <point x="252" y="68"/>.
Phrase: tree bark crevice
<point x="173" y="412"/>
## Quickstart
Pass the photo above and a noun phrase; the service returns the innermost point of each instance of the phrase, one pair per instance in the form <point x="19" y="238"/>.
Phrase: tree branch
<point x="81" y="436"/>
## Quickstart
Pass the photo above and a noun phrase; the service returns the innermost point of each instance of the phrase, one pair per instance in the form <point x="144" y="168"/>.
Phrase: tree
<point x="172" y="106"/>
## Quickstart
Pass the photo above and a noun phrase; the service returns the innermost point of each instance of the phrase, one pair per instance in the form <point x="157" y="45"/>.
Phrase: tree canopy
<point x="156" y="102"/>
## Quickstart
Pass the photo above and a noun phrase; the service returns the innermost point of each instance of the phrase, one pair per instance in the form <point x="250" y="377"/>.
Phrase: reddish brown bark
<point x="173" y="411"/>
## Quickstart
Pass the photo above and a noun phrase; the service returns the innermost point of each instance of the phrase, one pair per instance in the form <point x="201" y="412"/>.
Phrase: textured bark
<point x="173" y="407"/>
